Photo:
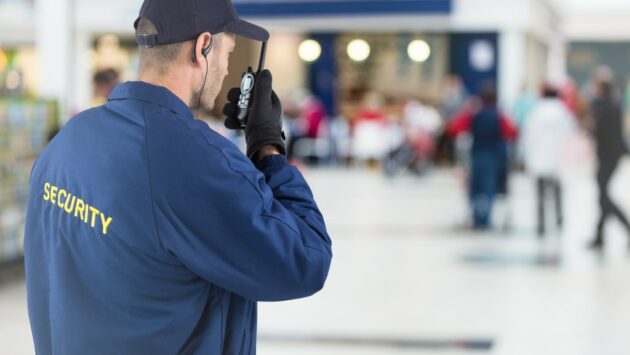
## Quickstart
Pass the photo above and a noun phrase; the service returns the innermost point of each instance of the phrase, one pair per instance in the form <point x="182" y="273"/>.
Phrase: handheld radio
<point x="248" y="82"/>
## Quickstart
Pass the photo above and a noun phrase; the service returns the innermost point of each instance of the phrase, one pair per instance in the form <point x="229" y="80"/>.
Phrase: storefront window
<point x="396" y="67"/>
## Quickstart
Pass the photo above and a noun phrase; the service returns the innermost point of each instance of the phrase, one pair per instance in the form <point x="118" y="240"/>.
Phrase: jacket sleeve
<point x="508" y="128"/>
<point x="255" y="232"/>
<point x="460" y="123"/>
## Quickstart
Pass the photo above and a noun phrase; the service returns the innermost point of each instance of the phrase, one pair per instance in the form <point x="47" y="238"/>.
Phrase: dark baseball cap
<point x="182" y="20"/>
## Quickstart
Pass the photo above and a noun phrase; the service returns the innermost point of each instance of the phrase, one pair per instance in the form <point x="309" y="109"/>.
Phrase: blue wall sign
<point x="474" y="58"/>
<point x="280" y="8"/>
<point x="322" y="74"/>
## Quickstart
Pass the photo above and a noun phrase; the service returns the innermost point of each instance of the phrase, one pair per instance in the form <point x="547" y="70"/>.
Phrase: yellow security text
<point x="75" y="206"/>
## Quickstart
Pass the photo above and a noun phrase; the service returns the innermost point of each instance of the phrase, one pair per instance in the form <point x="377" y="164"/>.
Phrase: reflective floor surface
<point x="408" y="277"/>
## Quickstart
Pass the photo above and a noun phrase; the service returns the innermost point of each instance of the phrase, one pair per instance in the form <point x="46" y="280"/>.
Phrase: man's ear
<point x="202" y="46"/>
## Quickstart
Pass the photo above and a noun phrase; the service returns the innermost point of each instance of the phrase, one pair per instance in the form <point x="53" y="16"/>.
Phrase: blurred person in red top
<point x="371" y="133"/>
<point x="569" y="95"/>
<point x="371" y="110"/>
<point x="310" y="116"/>
<point x="415" y="144"/>
<point x="454" y="99"/>
<point x="490" y="130"/>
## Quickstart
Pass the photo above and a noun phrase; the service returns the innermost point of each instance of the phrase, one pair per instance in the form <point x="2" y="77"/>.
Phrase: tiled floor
<point x="407" y="278"/>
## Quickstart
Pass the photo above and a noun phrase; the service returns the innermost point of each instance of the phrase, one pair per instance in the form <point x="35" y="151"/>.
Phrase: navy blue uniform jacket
<point x="149" y="233"/>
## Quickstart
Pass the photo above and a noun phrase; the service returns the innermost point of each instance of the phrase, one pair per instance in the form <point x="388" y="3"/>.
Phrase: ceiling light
<point x="309" y="50"/>
<point x="358" y="50"/>
<point x="419" y="50"/>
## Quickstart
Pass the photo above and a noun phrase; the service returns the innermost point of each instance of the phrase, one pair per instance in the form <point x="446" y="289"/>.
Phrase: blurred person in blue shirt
<point x="149" y="233"/>
<point x="490" y="130"/>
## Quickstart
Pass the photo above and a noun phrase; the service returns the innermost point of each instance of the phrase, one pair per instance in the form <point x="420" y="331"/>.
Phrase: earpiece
<point x="204" y="51"/>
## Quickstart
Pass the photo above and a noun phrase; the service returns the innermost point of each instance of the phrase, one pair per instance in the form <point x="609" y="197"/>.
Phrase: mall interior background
<point x="348" y="55"/>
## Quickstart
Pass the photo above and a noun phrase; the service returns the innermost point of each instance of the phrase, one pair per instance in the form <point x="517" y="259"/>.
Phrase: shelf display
<point x="24" y="127"/>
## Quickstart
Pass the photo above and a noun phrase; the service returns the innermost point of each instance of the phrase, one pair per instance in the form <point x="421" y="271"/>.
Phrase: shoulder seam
<point x="220" y="151"/>
<point x="146" y="152"/>
<point x="210" y="144"/>
<point x="263" y="212"/>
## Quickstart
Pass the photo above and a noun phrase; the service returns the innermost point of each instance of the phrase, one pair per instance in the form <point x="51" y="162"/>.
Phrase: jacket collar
<point x="142" y="91"/>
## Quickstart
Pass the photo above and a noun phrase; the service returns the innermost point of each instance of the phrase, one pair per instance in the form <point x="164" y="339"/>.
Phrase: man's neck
<point x="174" y="82"/>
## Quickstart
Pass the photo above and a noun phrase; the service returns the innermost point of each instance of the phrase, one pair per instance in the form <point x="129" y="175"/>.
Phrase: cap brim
<point x="249" y="30"/>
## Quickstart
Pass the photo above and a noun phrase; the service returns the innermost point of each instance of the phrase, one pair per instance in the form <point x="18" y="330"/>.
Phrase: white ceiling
<point x="592" y="5"/>
<point x="605" y="20"/>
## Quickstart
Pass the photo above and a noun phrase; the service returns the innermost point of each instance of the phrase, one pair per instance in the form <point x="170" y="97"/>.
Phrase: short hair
<point x="488" y="93"/>
<point x="606" y="88"/>
<point x="159" y="56"/>
<point x="106" y="77"/>
<point x="550" y="92"/>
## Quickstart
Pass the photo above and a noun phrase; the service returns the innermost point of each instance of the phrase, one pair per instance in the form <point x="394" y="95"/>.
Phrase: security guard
<point x="149" y="233"/>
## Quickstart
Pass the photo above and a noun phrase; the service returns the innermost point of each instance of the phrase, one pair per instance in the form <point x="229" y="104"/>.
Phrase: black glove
<point x="264" y="125"/>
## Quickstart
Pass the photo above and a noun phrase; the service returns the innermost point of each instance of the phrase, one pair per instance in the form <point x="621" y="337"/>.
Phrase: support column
<point x="323" y="73"/>
<point x="512" y="65"/>
<point x="82" y="72"/>
<point x="557" y="61"/>
<point x="53" y="19"/>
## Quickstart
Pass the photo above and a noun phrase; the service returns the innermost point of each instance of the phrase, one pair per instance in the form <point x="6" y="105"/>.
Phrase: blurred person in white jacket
<point x="545" y="134"/>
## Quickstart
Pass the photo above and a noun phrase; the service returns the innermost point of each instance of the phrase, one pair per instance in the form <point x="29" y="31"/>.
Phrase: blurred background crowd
<point x="400" y="93"/>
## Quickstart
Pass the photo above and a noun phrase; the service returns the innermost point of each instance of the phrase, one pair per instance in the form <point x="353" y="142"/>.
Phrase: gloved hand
<point x="264" y="125"/>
